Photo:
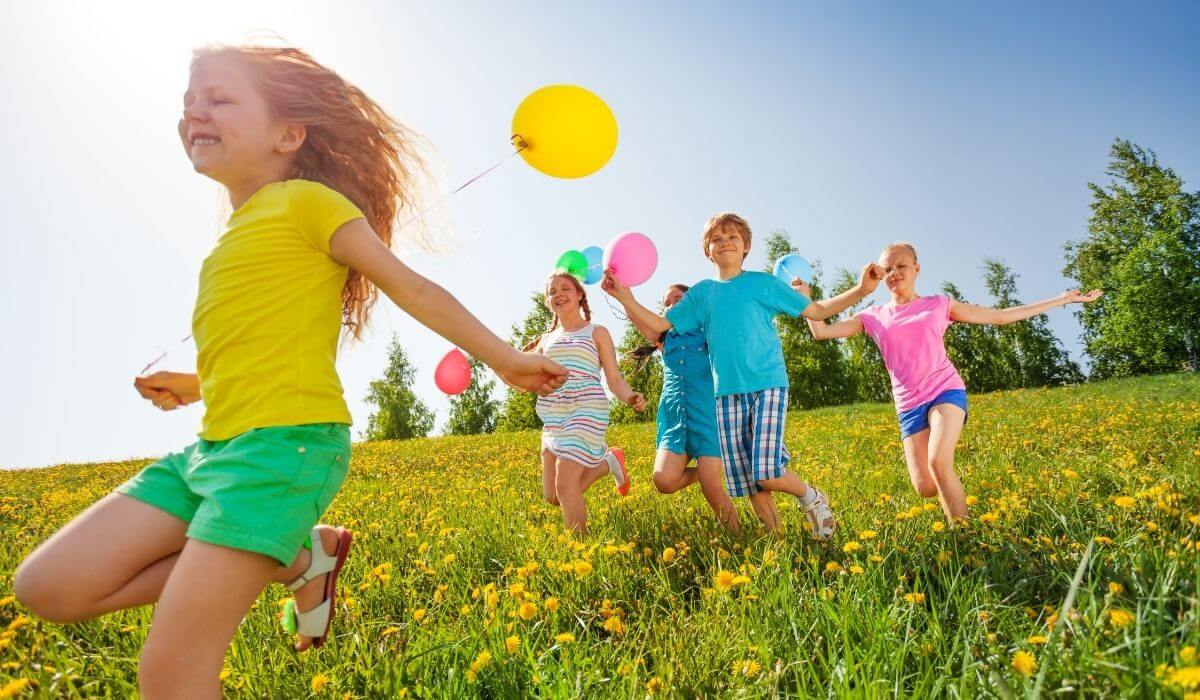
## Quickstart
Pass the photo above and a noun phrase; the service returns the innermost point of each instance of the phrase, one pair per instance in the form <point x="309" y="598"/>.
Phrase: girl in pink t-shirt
<point x="931" y="399"/>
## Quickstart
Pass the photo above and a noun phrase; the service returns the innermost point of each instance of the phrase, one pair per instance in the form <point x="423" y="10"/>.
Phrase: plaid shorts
<point x="751" y="431"/>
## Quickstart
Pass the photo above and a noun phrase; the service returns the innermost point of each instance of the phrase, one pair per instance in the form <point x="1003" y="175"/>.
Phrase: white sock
<point x="810" y="495"/>
<point x="614" y="468"/>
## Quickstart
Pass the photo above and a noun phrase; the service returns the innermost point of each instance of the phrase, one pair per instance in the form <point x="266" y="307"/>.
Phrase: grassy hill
<point x="463" y="582"/>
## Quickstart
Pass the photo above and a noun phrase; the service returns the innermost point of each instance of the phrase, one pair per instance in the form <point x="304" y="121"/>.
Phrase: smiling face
<point x="563" y="294"/>
<point x="726" y="246"/>
<point x="900" y="270"/>
<point x="227" y="128"/>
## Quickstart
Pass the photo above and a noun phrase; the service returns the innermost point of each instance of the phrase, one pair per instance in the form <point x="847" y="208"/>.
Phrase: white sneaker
<point x="820" y="516"/>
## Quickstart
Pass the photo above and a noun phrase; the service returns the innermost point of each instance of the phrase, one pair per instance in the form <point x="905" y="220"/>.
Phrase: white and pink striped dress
<point x="575" y="418"/>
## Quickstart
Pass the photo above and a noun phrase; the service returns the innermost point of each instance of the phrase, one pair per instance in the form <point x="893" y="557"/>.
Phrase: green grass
<point x="444" y="525"/>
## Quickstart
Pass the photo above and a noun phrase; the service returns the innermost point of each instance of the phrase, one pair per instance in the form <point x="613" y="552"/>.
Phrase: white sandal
<point x="315" y="623"/>
<point x="818" y="512"/>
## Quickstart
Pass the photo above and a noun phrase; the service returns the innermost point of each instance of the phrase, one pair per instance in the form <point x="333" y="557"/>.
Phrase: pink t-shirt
<point x="910" y="338"/>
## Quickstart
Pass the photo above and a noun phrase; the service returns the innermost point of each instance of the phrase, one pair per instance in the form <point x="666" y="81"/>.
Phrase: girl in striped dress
<point x="575" y="453"/>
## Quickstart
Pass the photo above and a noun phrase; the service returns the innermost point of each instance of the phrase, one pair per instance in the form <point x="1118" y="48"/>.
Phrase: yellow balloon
<point x="567" y="131"/>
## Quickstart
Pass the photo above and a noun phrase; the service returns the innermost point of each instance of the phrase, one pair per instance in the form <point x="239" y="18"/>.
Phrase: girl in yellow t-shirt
<point x="317" y="173"/>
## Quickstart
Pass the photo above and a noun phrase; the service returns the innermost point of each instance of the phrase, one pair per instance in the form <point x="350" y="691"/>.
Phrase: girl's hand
<point x="1074" y="296"/>
<point x="169" y="390"/>
<point x="531" y="371"/>
<point x="613" y="288"/>
<point x="801" y="286"/>
<point x="870" y="277"/>
<point x="636" y="401"/>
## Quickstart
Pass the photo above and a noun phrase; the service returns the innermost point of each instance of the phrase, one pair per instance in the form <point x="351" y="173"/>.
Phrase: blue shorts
<point x="916" y="419"/>
<point x="751" y="430"/>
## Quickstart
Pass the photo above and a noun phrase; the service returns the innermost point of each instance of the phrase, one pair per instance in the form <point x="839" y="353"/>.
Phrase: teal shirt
<point x="737" y="318"/>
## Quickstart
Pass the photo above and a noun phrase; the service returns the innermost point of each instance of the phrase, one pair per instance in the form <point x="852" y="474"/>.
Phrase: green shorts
<point x="261" y="491"/>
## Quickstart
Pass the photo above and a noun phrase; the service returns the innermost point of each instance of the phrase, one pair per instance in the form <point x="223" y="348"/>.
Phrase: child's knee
<point x="665" y="484"/>
<point x="941" y="467"/>
<point x="927" y="488"/>
<point x="550" y="496"/>
<point x="161" y="672"/>
<point x="46" y="597"/>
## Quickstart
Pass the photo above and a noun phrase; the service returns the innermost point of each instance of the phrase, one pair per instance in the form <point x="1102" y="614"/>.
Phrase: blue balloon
<point x="792" y="265"/>
<point x="595" y="270"/>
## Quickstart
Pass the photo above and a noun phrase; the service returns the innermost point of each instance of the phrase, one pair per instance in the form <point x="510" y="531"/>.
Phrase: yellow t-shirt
<point x="269" y="313"/>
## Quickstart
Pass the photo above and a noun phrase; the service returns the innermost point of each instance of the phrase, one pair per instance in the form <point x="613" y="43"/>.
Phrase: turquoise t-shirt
<point x="737" y="318"/>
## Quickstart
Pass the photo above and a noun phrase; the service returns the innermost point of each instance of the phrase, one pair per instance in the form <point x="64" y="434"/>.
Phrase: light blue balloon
<point x="595" y="269"/>
<point x="793" y="265"/>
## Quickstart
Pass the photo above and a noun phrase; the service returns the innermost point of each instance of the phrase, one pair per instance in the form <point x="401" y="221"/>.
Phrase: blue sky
<point x="970" y="129"/>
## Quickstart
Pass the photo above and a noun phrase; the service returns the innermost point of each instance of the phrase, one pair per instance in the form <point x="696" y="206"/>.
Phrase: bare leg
<point x="671" y="473"/>
<point x="711" y="476"/>
<point x="548" y="472"/>
<point x="916" y="448"/>
<point x="205" y="598"/>
<point x="945" y="425"/>
<point x="593" y="474"/>
<point x="568" y="486"/>
<point x="116" y="554"/>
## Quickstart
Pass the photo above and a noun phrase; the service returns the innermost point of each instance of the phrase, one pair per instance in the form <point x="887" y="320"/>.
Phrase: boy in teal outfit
<point x="736" y="313"/>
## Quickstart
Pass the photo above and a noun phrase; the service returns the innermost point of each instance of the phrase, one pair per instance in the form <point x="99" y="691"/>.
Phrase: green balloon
<point x="573" y="263"/>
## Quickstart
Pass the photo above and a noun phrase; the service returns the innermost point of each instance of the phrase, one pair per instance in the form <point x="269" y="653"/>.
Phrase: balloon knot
<point x="519" y="142"/>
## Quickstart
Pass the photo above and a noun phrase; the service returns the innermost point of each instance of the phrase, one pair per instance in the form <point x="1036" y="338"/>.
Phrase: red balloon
<point x="453" y="373"/>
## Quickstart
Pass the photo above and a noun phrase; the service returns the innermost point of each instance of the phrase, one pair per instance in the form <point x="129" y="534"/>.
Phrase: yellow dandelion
<point x="1187" y="654"/>
<point x="565" y="638"/>
<point x="1037" y="639"/>
<point x="552" y="604"/>
<point x="867" y="534"/>
<point x="971" y="500"/>
<point x="1124" y="502"/>
<point x="319" y="682"/>
<point x="418" y="614"/>
<point x="511" y="643"/>
<point x="13" y="688"/>
<point x="724" y="580"/>
<point x="988" y="518"/>
<point x="1119" y="618"/>
<point x="1024" y="663"/>
<point x="1187" y="677"/>
<point x="1101" y="539"/>
<point x="938" y="526"/>
<point x="832" y="567"/>
<point x="1115" y="588"/>
<point x="851" y="547"/>
<point x="668" y="554"/>
<point x="856" y="569"/>
<point x="914" y="598"/>
<point x="614" y="625"/>
<point x="582" y="568"/>
<point x="654" y="685"/>
<point x="1070" y="473"/>
<point x="527" y="611"/>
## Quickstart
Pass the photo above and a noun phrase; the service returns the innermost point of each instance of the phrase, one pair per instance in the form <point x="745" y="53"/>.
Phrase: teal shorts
<point x="261" y="491"/>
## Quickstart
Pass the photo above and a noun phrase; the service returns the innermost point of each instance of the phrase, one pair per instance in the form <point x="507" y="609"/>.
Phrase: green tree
<point x="474" y="411"/>
<point x="1143" y="250"/>
<point x="517" y="412"/>
<point x="648" y="381"/>
<point x="1041" y="360"/>
<point x="817" y="372"/>
<point x="984" y="360"/>
<point x="869" y="380"/>
<point x="399" y="414"/>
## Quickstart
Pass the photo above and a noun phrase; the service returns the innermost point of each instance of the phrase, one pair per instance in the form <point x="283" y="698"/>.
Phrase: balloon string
<point x="163" y="355"/>
<point x="517" y="141"/>
<point x="620" y="315"/>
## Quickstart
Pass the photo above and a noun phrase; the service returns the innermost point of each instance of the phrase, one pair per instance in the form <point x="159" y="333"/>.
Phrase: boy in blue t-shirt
<point x="736" y="313"/>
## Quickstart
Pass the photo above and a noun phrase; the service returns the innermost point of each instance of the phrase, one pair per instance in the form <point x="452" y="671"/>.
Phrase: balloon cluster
<point x="631" y="256"/>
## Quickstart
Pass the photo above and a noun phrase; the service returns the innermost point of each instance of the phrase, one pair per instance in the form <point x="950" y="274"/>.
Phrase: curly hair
<point x="352" y="146"/>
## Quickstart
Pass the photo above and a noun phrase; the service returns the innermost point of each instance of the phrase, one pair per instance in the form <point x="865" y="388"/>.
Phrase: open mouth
<point x="204" y="140"/>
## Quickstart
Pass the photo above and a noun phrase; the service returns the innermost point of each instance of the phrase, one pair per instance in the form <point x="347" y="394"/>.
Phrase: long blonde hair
<point x="352" y="146"/>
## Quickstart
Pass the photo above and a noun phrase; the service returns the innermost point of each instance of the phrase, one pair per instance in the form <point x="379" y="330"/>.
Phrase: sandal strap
<point x="321" y="563"/>
<point x="312" y="622"/>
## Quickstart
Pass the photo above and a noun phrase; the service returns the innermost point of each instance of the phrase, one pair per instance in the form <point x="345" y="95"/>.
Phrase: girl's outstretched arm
<point x="820" y="329"/>
<point x="963" y="312"/>
<point x="643" y="318"/>
<point x="868" y="280"/>
<point x="355" y="245"/>
<point x="612" y="371"/>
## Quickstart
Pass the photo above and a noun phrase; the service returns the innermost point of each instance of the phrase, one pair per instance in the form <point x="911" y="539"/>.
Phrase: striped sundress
<point x="575" y="418"/>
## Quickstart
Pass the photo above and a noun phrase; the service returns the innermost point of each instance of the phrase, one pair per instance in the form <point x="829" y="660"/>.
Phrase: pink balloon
<point x="453" y="373"/>
<point x="632" y="257"/>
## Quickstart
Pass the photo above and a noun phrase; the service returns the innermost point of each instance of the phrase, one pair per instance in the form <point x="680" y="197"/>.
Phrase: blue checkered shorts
<point x="751" y="431"/>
